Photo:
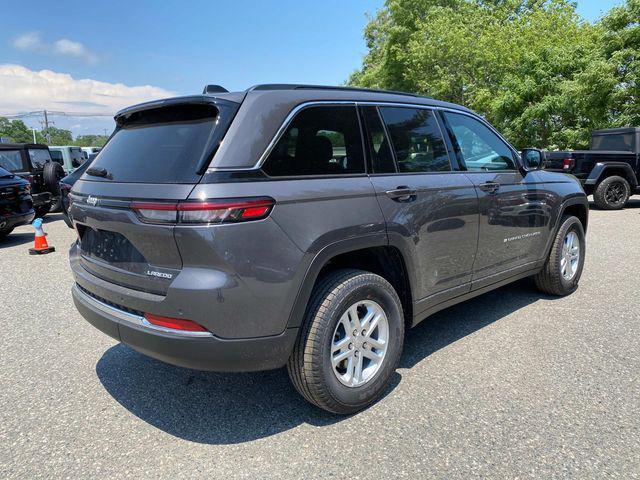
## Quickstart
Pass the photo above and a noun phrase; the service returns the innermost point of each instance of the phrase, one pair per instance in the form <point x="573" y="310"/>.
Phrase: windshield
<point x="39" y="156"/>
<point x="163" y="145"/>
<point x="56" y="155"/>
<point x="11" y="160"/>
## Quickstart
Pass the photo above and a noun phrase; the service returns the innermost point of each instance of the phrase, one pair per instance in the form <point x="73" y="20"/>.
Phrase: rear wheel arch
<point x="605" y="170"/>
<point x="367" y="255"/>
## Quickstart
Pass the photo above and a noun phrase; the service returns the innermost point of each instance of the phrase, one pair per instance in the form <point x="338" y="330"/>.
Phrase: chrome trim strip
<point x="356" y="103"/>
<point x="131" y="318"/>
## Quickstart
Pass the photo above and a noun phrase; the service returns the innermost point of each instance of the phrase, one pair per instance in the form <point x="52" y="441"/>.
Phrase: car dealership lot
<point x="511" y="384"/>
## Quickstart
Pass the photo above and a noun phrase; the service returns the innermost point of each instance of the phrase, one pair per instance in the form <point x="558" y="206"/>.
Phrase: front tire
<point x="612" y="193"/>
<point x="350" y="342"/>
<point x="563" y="268"/>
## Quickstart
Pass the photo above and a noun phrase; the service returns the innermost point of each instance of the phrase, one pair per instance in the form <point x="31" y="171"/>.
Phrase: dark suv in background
<point x="32" y="161"/>
<point x="309" y="226"/>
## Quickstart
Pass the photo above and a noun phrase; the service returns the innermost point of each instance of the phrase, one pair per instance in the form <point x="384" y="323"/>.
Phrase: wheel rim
<point x="360" y="343"/>
<point x="570" y="256"/>
<point x="615" y="193"/>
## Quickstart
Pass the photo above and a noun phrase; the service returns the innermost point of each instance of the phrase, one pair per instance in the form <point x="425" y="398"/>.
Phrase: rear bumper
<point x="200" y="352"/>
<point x="16" y="220"/>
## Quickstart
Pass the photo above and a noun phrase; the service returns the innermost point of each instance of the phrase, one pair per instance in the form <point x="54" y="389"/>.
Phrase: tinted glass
<point x="165" y="145"/>
<point x="56" y="155"/>
<point x="416" y="139"/>
<point x="38" y="157"/>
<point x="319" y="141"/>
<point x="11" y="160"/>
<point x="481" y="149"/>
<point x="377" y="142"/>
<point x="619" y="142"/>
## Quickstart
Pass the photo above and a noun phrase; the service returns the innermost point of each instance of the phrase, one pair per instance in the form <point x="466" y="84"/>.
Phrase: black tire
<point x="551" y="280"/>
<point x="612" y="193"/>
<point x="42" y="210"/>
<point x="52" y="174"/>
<point x="5" y="233"/>
<point x="310" y="367"/>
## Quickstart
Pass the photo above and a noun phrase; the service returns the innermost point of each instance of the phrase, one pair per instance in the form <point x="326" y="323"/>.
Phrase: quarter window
<point x="319" y="141"/>
<point x="480" y="148"/>
<point x="417" y="140"/>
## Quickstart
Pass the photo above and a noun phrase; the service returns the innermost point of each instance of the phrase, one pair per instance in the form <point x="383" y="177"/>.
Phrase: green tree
<point x="57" y="136"/>
<point x="621" y="50"/>
<point x="523" y="64"/>
<point x="90" y="140"/>
<point x="16" y="130"/>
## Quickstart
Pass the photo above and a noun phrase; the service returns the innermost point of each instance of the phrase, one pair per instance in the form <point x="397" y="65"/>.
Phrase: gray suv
<point x="309" y="227"/>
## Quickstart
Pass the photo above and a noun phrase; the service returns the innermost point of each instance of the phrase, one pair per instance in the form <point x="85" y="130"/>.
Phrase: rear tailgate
<point x="157" y="155"/>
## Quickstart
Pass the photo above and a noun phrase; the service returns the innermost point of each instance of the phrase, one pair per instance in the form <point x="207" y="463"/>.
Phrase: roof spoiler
<point x="214" y="89"/>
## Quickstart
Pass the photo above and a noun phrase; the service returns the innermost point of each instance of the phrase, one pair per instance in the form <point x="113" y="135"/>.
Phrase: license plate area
<point x="112" y="248"/>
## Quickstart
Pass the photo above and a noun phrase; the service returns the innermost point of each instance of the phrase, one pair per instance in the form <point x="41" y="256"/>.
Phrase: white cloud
<point x="64" y="46"/>
<point x="32" y="41"/>
<point x="27" y="90"/>
<point x="29" y="41"/>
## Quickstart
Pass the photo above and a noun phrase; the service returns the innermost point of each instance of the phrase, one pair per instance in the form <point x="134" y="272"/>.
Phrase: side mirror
<point x="532" y="159"/>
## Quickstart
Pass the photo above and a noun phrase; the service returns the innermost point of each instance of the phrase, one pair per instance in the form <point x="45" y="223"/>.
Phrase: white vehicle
<point x="87" y="151"/>
<point x="69" y="157"/>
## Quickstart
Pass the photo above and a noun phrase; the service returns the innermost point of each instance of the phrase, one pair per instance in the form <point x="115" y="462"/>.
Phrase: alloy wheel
<point x="570" y="255"/>
<point x="359" y="344"/>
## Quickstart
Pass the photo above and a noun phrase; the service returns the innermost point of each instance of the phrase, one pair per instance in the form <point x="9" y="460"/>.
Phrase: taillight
<point x="174" y="323"/>
<point x="568" y="163"/>
<point x="209" y="211"/>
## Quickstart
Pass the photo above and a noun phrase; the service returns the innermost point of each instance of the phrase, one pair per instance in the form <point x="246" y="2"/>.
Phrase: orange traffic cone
<point x="40" y="244"/>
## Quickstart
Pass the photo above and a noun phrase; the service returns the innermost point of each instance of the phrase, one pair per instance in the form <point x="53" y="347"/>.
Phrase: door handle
<point x="489" y="187"/>
<point x="402" y="194"/>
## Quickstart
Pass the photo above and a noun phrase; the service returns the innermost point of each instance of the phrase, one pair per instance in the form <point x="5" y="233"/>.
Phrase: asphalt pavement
<point x="513" y="384"/>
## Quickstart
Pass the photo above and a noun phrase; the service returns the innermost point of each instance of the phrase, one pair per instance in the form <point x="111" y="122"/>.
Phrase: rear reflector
<point x="209" y="211"/>
<point x="174" y="323"/>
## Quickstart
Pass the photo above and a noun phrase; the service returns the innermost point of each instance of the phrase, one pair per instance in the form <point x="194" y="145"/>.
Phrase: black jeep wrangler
<point x="609" y="170"/>
<point x="33" y="162"/>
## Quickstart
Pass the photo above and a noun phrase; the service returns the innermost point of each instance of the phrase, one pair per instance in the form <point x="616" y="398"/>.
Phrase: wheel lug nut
<point x="357" y="353"/>
<point x="351" y="346"/>
<point x="364" y="332"/>
<point x="355" y="333"/>
<point x="365" y="345"/>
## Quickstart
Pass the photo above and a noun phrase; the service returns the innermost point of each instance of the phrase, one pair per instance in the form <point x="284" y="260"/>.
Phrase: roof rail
<point x="214" y="89"/>
<point x="287" y="86"/>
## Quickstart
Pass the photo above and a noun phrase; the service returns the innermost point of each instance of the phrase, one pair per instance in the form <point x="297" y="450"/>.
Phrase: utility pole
<point x="46" y="127"/>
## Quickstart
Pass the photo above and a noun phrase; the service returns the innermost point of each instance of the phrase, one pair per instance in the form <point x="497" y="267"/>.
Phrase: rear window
<point x="163" y="145"/>
<point x="38" y="157"/>
<point x="11" y="160"/>
<point x="619" y="142"/>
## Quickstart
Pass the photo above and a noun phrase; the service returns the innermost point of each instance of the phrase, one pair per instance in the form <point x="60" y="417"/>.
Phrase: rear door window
<point x="11" y="160"/>
<point x="322" y="140"/>
<point x="38" y="157"/>
<point x="377" y="142"/>
<point x="162" y="145"/>
<point x="416" y="139"/>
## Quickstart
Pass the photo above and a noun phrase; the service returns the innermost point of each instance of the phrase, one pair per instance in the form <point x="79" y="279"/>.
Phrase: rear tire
<point x="52" y="173"/>
<point x="562" y="270"/>
<point x="313" y="366"/>
<point x="612" y="193"/>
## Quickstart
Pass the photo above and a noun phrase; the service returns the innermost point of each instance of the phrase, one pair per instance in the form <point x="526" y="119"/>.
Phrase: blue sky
<point x="172" y="47"/>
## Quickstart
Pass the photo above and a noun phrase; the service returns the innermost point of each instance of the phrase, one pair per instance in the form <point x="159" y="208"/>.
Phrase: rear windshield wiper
<point x="98" y="172"/>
